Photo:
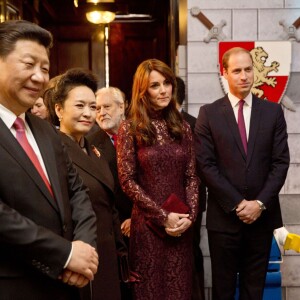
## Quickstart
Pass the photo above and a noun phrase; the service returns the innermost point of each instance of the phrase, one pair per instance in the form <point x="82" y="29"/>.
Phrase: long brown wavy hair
<point x="141" y="107"/>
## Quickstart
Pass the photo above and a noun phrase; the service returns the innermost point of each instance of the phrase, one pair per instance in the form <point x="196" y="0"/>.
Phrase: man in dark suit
<point x="198" y="269"/>
<point x="110" y="114"/>
<point x="47" y="224"/>
<point x="243" y="179"/>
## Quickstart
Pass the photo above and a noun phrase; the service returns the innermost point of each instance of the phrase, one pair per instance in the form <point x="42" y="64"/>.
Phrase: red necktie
<point x="22" y="139"/>
<point x="115" y="138"/>
<point x="241" y="125"/>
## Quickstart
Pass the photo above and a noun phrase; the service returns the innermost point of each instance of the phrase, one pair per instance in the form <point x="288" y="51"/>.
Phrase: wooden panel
<point x="129" y="45"/>
<point x="98" y="56"/>
<point x="73" y="55"/>
<point x="78" y="46"/>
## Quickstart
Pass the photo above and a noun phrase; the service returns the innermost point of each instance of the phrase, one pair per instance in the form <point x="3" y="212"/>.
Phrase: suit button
<point x="65" y="228"/>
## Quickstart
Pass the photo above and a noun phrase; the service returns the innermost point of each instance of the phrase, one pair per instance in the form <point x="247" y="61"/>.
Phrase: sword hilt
<point x="196" y="12"/>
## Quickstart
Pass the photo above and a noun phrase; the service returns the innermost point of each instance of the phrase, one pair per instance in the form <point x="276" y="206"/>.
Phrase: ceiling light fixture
<point x="100" y="17"/>
<point x="98" y="11"/>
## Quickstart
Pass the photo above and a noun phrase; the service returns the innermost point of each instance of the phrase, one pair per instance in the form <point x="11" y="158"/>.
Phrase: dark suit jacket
<point x="97" y="177"/>
<point x="202" y="189"/>
<point x="35" y="229"/>
<point x="101" y="140"/>
<point x="230" y="174"/>
<point x="190" y="119"/>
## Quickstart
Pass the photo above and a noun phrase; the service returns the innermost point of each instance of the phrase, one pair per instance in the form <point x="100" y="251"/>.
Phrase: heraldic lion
<point x="261" y="71"/>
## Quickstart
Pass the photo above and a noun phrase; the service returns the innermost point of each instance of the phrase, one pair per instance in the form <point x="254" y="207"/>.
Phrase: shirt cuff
<point x="69" y="258"/>
<point x="261" y="205"/>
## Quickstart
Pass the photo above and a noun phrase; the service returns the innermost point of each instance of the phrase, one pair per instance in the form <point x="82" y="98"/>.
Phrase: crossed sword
<point x="290" y="31"/>
<point x="215" y="31"/>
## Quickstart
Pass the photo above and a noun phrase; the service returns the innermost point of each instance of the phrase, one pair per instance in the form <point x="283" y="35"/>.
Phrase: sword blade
<point x="288" y="103"/>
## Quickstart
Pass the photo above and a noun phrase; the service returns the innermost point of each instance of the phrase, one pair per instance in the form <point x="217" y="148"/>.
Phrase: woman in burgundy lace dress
<point x="156" y="158"/>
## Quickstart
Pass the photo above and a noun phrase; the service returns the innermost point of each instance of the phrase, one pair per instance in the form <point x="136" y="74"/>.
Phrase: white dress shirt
<point x="246" y="109"/>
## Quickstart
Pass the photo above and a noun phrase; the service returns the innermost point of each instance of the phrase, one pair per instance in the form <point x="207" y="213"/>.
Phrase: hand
<point x="73" y="278"/>
<point x="173" y="218"/>
<point x="248" y="211"/>
<point x="180" y="224"/>
<point x="84" y="260"/>
<point x="125" y="227"/>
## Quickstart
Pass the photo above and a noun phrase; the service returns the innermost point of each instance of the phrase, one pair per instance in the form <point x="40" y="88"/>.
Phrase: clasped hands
<point x="248" y="211"/>
<point x="82" y="266"/>
<point x="177" y="224"/>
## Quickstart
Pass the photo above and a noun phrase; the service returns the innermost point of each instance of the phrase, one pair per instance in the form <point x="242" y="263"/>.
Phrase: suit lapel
<point x="106" y="146"/>
<point x="232" y="124"/>
<point x="102" y="171"/>
<point x="49" y="159"/>
<point x="12" y="146"/>
<point x="96" y="166"/>
<point x="254" y="125"/>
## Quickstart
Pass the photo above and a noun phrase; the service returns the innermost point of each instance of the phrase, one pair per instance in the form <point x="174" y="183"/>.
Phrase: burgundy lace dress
<point x="148" y="175"/>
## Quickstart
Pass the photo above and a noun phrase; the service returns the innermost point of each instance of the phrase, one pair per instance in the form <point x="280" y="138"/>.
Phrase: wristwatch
<point x="261" y="205"/>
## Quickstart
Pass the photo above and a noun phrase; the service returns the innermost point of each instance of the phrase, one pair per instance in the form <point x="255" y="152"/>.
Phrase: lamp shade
<point x="100" y="12"/>
<point x="100" y="1"/>
<point x="100" y="16"/>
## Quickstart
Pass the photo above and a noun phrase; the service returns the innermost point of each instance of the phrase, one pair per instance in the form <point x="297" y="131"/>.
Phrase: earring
<point x="60" y="118"/>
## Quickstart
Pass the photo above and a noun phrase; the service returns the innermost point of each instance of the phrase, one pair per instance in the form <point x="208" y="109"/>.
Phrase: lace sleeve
<point x="128" y="176"/>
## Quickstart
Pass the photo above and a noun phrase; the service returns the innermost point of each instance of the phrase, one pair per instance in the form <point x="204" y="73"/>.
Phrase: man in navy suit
<point x="47" y="225"/>
<point x="243" y="180"/>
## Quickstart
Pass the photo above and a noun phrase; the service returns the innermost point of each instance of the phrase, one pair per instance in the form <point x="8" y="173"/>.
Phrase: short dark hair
<point x="232" y="51"/>
<point x="58" y="90"/>
<point x="15" y="30"/>
<point x="180" y="95"/>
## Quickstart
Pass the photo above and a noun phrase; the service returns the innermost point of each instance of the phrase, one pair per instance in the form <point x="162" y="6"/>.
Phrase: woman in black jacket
<point x="73" y="99"/>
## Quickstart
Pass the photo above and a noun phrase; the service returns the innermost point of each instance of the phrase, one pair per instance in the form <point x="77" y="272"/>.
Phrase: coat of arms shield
<point x="271" y="63"/>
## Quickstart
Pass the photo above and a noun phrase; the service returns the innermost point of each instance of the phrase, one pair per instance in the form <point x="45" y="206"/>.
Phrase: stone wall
<point x="197" y="65"/>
